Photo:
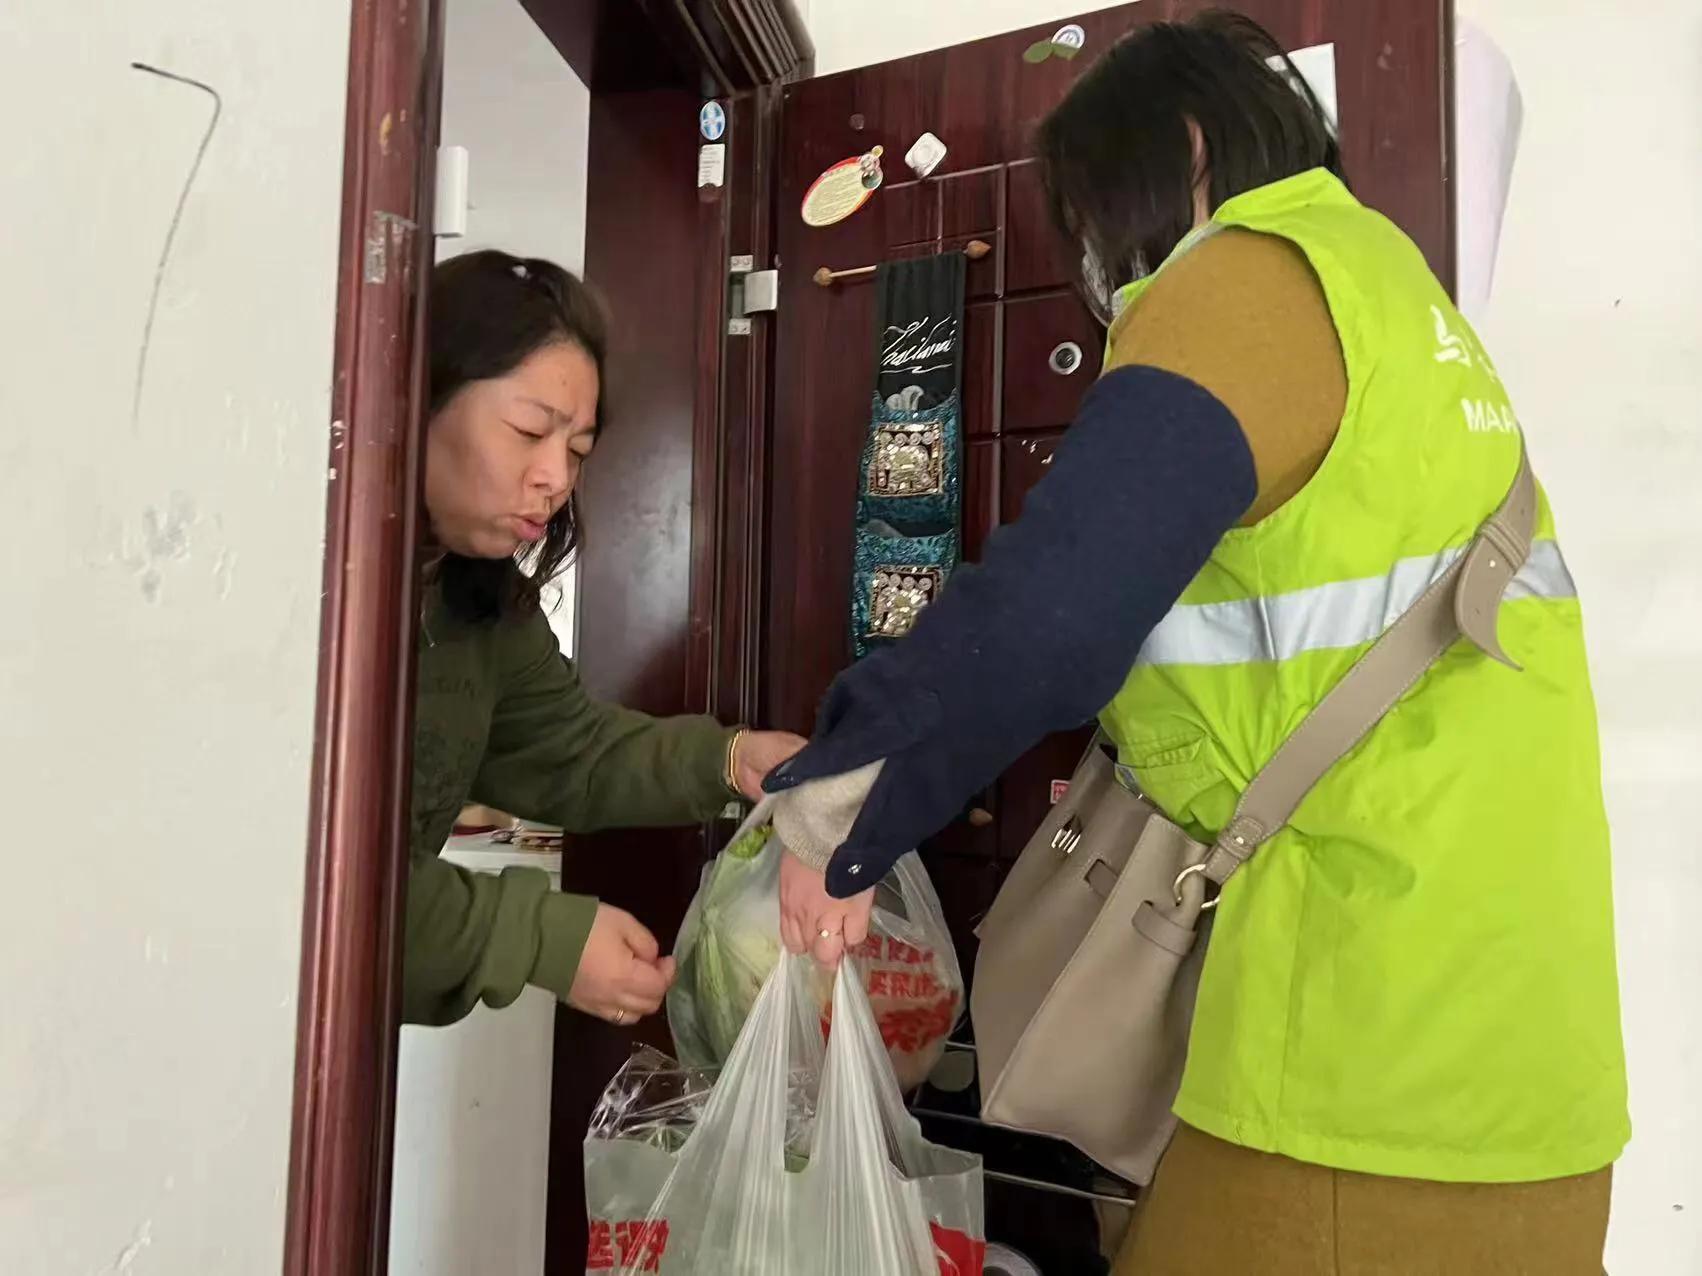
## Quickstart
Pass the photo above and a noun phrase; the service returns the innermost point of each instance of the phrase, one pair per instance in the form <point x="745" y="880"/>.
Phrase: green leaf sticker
<point x="1039" y="51"/>
<point x="1066" y="51"/>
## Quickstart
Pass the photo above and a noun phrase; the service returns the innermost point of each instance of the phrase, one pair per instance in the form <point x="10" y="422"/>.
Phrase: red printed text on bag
<point x="958" y="1253"/>
<point x="634" y="1245"/>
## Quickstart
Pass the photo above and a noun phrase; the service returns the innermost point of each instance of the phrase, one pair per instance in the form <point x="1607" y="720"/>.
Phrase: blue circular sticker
<point x="712" y="121"/>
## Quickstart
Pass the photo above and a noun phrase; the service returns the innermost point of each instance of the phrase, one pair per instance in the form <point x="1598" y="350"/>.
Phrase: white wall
<point x="524" y="117"/>
<point x="1596" y="323"/>
<point x="160" y="590"/>
<point x="852" y="33"/>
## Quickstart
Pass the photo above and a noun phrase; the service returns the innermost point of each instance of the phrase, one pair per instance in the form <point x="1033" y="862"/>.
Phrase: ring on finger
<point x="828" y="934"/>
<point x="619" y="1018"/>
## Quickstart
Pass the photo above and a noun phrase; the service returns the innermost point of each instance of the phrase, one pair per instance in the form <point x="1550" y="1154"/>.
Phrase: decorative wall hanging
<point x="909" y="491"/>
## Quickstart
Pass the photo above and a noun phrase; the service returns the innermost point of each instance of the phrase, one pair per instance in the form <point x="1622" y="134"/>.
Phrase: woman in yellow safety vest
<point x="1406" y="1055"/>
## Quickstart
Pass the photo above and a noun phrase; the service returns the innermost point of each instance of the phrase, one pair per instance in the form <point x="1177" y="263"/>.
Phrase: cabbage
<point x="729" y="944"/>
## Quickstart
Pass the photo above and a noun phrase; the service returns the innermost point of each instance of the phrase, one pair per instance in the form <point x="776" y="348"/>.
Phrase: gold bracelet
<point x="732" y="771"/>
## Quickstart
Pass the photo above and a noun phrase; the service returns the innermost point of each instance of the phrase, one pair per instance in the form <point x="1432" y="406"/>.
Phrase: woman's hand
<point x="759" y="752"/>
<point x="812" y="921"/>
<point x="622" y="977"/>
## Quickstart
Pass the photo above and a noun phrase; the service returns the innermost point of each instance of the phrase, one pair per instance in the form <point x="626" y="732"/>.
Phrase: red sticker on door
<point x="842" y="190"/>
<point x="1059" y="789"/>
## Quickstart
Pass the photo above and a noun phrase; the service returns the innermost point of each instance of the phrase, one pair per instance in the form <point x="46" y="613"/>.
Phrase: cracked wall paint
<point x="130" y="1253"/>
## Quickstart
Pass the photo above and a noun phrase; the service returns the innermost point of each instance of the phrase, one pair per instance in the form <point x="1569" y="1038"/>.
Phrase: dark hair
<point x="489" y="312"/>
<point x="1117" y="156"/>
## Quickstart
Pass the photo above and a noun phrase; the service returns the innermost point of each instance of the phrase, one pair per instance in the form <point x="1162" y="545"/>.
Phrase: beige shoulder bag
<point x="1091" y="955"/>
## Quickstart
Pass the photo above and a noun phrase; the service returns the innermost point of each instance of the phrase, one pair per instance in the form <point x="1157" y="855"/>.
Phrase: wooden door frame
<point x="346" y="1034"/>
<point x="337" y="1211"/>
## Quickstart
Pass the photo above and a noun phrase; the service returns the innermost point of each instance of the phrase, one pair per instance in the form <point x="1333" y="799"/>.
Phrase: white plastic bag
<point x="868" y="1196"/>
<point x="658" y="1101"/>
<point x="730" y="941"/>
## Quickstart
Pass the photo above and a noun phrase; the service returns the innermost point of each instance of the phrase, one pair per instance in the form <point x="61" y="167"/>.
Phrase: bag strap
<point x="1465" y="599"/>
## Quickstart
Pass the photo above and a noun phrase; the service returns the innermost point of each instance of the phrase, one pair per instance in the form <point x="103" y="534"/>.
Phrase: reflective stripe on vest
<point x="1346" y="613"/>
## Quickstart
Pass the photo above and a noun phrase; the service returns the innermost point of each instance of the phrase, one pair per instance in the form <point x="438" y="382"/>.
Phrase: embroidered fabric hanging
<point x="909" y="491"/>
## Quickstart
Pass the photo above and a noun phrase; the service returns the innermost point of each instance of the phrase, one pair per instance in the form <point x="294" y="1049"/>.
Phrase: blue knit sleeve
<point x="1040" y="634"/>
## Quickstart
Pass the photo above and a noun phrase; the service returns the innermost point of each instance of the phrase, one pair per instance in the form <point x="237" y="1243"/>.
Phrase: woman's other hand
<point x="812" y="921"/>
<point x="622" y="976"/>
<point x="759" y="752"/>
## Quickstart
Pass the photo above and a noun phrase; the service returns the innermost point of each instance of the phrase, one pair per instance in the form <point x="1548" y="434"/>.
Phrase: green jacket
<point x="502" y="719"/>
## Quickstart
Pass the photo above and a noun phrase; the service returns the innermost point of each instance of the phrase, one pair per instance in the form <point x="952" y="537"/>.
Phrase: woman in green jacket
<point x="517" y="349"/>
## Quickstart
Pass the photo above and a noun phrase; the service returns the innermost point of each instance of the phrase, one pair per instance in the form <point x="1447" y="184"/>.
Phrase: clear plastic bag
<point x="658" y="1101"/>
<point x="861" y="1193"/>
<point x="730" y="942"/>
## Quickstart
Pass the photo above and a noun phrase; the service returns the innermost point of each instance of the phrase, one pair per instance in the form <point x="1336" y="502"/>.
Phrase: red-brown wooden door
<point x="983" y="101"/>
